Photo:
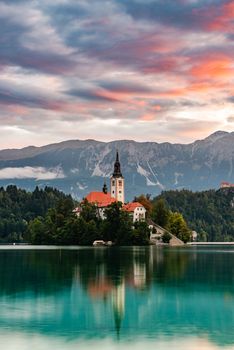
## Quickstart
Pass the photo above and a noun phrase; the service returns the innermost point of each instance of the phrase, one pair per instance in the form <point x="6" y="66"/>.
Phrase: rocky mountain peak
<point x="78" y="167"/>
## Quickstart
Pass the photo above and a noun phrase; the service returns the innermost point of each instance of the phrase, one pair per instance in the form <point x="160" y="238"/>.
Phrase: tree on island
<point x="160" y="213"/>
<point x="178" y="227"/>
<point x="166" y="237"/>
<point x="146" y="202"/>
<point x="141" y="233"/>
<point x="171" y="221"/>
<point x="117" y="226"/>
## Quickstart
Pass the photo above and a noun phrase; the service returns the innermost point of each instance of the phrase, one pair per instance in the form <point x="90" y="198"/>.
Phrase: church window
<point x="113" y="191"/>
<point x="120" y="191"/>
<point x="113" y="182"/>
<point x="120" y="183"/>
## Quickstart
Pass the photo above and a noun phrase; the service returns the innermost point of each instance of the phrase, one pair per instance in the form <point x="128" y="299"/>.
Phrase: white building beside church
<point x="136" y="210"/>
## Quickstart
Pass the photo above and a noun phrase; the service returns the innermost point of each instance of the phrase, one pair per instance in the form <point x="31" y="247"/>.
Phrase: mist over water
<point x="117" y="298"/>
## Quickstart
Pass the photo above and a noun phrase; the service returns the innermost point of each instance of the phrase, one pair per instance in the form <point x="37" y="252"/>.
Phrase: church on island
<point x="103" y="199"/>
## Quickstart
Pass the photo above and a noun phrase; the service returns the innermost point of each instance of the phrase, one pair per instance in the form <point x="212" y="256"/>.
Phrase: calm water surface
<point x="117" y="298"/>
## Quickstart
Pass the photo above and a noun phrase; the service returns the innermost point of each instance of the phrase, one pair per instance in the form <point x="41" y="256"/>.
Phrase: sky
<point x="147" y="70"/>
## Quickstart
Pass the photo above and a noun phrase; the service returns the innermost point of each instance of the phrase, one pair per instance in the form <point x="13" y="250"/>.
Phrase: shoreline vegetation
<point x="45" y="217"/>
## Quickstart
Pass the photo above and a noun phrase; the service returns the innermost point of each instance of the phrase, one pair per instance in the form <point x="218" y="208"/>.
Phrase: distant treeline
<point x="18" y="207"/>
<point x="210" y="213"/>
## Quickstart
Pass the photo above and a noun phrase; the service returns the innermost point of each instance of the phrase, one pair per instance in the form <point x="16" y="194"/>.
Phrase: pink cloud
<point x="223" y="21"/>
<point x="156" y="107"/>
<point x="215" y="66"/>
<point x="18" y="110"/>
<point x="148" y="117"/>
<point x="217" y="17"/>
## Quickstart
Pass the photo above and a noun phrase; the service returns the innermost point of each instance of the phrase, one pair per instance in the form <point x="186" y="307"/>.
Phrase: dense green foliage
<point x="166" y="237"/>
<point x="172" y="221"/>
<point x="210" y="213"/>
<point x="62" y="226"/>
<point x="46" y="216"/>
<point x="160" y="213"/>
<point x="18" y="208"/>
<point x="178" y="227"/>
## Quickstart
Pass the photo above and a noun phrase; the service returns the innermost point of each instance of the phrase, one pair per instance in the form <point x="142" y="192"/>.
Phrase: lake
<point x="116" y="298"/>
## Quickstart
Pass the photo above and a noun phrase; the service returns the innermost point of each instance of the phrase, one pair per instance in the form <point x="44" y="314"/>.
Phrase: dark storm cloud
<point x="16" y="95"/>
<point x="181" y="14"/>
<point x="63" y="14"/>
<point x="230" y="99"/>
<point x="13" y="52"/>
<point x="14" y="1"/>
<point x="166" y="12"/>
<point x="92" y="95"/>
<point x="42" y="62"/>
<point x="79" y="25"/>
<point x="190" y="103"/>
<point x="122" y="86"/>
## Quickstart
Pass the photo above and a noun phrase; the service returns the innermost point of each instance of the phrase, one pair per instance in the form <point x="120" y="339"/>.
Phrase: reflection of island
<point x="109" y="273"/>
<point x="143" y="291"/>
<point x="176" y="273"/>
<point x="98" y="270"/>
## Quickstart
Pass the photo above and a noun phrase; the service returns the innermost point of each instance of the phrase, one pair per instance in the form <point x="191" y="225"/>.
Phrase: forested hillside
<point x="18" y="207"/>
<point x="210" y="213"/>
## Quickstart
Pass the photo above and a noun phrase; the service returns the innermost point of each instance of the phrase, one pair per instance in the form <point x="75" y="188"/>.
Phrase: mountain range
<point x="78" y="167"/>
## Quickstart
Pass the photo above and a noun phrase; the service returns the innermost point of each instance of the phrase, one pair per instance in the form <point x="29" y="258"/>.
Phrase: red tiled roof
<point x="226" y="184"/>
<point x="100" y="289"/>
<point x="132" y="206"/>
<point x="101" y="199"/>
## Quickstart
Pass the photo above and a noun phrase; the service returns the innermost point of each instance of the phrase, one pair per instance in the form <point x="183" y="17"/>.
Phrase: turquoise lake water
<point x="116" y="298"/>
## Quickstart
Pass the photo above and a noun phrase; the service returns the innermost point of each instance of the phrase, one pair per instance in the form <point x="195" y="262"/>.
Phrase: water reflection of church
<point x="113" y="292"/>
<point x="117" y="282"/>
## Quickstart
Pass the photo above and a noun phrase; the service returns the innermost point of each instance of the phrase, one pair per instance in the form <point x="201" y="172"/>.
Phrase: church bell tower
<point x="117" y="182"/>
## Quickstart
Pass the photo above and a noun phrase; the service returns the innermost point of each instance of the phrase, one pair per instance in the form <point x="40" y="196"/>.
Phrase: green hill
<point x="18" y="207"/>
<point x="210" y="213"/>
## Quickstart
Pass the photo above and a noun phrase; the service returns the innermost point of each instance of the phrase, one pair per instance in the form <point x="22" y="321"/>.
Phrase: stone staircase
<point x="174" y="241"/>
